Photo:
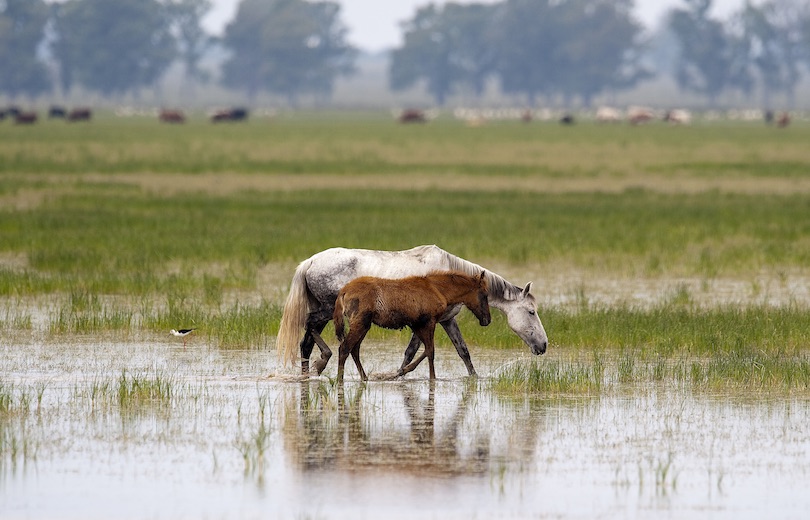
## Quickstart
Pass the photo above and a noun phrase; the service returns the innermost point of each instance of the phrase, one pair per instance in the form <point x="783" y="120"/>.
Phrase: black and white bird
<point x="182" y="333"/>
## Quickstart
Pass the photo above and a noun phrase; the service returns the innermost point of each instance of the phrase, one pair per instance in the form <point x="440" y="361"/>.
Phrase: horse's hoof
<point x="319" y="366"/>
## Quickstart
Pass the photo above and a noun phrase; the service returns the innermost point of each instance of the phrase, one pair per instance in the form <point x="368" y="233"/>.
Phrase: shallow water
<point x="233" y="442"/>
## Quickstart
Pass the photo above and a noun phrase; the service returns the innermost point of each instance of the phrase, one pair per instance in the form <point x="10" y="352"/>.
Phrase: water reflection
<point x="358" y="428"/>
<point x="74" y="446"/>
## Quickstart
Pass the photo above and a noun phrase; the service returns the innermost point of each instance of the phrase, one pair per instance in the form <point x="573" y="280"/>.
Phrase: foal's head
<point x="478" y="302"/>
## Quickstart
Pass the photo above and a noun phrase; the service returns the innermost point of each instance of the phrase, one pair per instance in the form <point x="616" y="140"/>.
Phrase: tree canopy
<point x="534" y="47"/>
<point x="287" y="47"/>
<point x="112" y="47"/>
<point x="712" y="58"/>
<point x="22" y="29"/>
<point x="560" y="50"/>
<point x="447" y="47"/>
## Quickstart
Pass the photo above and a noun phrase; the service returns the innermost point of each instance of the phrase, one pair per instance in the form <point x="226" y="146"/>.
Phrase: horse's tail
<point x="337" y="317"/>
<point x="294" y="318"/>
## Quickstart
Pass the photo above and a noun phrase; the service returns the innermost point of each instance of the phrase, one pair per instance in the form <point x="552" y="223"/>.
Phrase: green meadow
<point x="130" y="227"/>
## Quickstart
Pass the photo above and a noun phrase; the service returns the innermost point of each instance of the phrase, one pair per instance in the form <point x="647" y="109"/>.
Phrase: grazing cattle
<point x="412" y="115"/>
<point x="79" y="114"/>
<point x="526" y="116"/>
<point x="783" y="120"/>
<point x="639" y="115"/>
<point x="229" y="115"/>
<point x="25" y="118"/>
<point x="678" y="117"/>
<point x="56" y="112"/>
<point x="172" y="116"/>
<point x="567" y="119"/>
<point x="608" y="115"/>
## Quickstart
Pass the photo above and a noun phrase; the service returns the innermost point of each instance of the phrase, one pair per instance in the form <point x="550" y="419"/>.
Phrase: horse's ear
<point x="481" y="278"/>
<point x="527" y="289"/>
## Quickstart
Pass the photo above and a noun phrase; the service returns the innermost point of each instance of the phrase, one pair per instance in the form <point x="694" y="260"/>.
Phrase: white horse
<point x="318" y="279"/>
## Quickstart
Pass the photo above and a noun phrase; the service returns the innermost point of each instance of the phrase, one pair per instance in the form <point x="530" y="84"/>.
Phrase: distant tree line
<point x="288" y="47"/>
<point x="582" y="48"/>
<point x="533" y="47"/>
<point x="552" y="49"/>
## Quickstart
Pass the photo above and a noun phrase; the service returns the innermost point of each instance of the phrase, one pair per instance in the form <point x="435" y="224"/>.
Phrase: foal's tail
<point x="337" y="317"/>
<point x="294" y="318"/>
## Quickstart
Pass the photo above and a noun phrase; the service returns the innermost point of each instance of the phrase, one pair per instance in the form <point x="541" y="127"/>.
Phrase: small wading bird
<point x="182" y="333"/>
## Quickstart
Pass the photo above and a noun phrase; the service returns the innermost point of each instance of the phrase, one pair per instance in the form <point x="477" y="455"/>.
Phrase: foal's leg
<point x="356" y="357"/>
<point x="423" y="332"/>
<point x="426" y="335"/>
<point x="454" y="333"/>
<point x="357" y="331"/>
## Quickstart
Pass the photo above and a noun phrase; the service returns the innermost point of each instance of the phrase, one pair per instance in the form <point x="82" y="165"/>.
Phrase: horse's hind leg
<point x="316" y="322"/>
<point x="326" y="353"/>
<point x="454" y="333"/>
<point x="306" y="350"/>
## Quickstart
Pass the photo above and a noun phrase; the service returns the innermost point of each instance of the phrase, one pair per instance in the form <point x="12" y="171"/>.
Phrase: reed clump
<point x="137" y="391"/>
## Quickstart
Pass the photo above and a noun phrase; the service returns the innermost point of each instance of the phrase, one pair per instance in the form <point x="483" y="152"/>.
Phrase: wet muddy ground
<point x="220" y="435"/>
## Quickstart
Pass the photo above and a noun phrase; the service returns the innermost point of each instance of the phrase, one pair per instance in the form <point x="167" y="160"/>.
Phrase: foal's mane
<point x="498" y="286"/>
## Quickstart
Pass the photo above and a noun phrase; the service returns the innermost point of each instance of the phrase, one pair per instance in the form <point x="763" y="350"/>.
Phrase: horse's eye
<point x="531" y="313"/>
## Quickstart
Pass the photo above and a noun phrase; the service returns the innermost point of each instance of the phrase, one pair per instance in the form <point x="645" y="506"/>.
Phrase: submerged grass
<point x="17" y="446"/>
<point x="136" y="391"/>
<point x="754" y="373"/>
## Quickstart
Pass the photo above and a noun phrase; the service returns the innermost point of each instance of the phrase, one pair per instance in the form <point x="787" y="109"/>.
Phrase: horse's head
<point x="478" y="302"/>
<point x="521" y="313"/>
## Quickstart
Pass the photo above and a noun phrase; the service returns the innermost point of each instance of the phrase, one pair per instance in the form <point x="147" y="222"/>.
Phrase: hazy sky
<point x="374" y="24"/>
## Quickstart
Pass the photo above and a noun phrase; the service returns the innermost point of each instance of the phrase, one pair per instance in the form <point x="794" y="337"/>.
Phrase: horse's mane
<point x="498" y="286"/>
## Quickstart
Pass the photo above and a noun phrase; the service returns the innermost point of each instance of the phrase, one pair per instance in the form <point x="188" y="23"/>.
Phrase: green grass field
<point x="135" y="226"/>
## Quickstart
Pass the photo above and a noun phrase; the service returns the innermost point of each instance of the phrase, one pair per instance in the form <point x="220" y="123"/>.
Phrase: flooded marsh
<point x="670" y="267"/>
<point x="149" y="430"/>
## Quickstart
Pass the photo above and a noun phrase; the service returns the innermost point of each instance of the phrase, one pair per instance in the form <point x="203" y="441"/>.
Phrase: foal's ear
<point x="481" y="278"/>
<point x="527" y="289"/>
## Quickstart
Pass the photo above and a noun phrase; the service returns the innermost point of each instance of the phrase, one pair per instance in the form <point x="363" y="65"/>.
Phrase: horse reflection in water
<point x="324" y="437"/>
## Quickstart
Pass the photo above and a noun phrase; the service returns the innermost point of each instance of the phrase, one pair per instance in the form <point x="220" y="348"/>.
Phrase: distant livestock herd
<point x="28" y="117"/>
<point x="634" y="115"/>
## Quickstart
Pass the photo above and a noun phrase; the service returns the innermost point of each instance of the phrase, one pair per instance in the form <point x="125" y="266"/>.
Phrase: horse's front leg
<point x="356" y="357"/>
<point x="410" y="352"/>
<point x="426" y="334"/>
<point x="351" y="345"/>
<point x="454" y="333"/>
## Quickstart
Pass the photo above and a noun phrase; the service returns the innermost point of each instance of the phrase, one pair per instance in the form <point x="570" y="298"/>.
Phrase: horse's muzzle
<point x="539" y="348"/>
<point x="485" y="321"/>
